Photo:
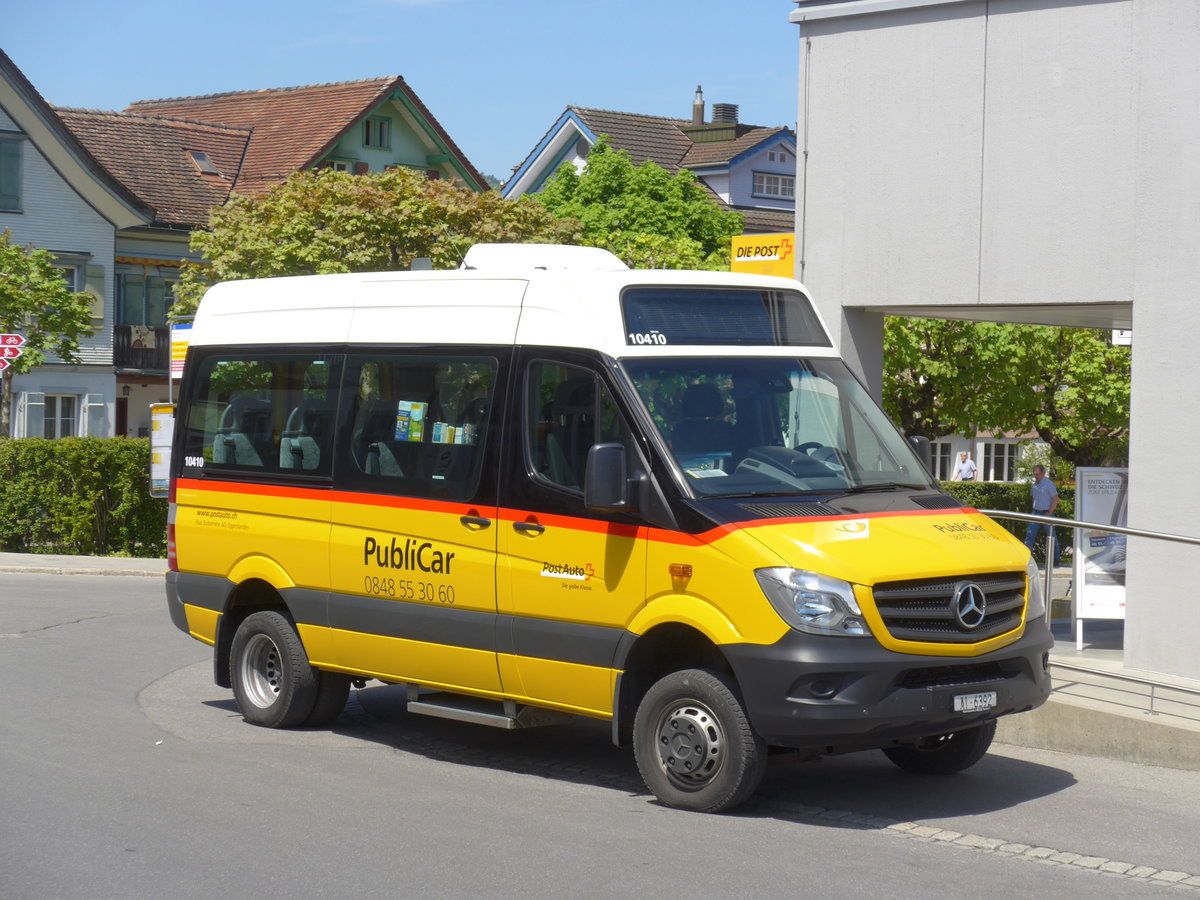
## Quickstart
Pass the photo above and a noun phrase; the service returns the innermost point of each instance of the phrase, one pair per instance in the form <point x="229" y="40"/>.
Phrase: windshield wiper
<point x="882" y="486"/>
<point x="751" y="494"/>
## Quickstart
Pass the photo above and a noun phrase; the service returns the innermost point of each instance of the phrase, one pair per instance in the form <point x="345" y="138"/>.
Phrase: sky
<point x="495" y="73"/>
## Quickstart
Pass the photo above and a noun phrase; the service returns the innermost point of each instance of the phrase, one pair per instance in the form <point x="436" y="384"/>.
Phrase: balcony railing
<point x="145" y="347"/>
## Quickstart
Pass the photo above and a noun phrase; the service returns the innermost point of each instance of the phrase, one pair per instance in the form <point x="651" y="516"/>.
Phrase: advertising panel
<point x="1102" y="497"/>
<point x="181" y="335"/>
<point x="162" y="431"/>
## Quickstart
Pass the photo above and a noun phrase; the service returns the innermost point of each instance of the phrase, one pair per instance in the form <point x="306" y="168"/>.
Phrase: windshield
<point x="770" y="427"/>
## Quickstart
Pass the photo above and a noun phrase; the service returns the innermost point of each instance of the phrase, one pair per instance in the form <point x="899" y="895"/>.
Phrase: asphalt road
<point x="124" y="772"/>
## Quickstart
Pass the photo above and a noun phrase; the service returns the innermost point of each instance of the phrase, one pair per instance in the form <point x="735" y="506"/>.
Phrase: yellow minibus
<point x="545" y="484"/>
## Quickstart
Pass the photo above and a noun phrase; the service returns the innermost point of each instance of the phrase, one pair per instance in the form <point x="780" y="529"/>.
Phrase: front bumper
<point x="835" y="695"/>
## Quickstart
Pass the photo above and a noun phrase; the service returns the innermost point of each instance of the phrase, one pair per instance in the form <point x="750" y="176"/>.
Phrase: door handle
<point x="528" y="527"/>
<point x="475" y="521"/>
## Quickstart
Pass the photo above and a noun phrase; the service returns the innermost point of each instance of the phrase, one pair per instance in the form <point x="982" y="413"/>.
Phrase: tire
<point x="333" y="688"/>
<point x="945" y="754"/>
<point x="694" y="745"/>
<point x="272" y="681"/>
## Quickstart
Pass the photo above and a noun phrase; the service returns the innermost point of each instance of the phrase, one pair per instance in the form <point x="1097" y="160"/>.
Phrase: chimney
<point x="698" y="107"/>
<point x="725" y="114"/>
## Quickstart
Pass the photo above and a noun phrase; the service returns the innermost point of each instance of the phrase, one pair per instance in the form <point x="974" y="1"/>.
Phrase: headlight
<point x="811" y="602"/>
<point x="1037" y="600"/>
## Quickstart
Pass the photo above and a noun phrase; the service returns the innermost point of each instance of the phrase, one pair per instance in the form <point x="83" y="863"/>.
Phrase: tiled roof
<point x="148" y="154"/>
<point x="721" y="152"/>
<point x="644" y="137"/>
<point x="293" y="127"/>
<point x="665" y="141"/>
<point x="768" y="221"/>
<point x="86" y="158"/>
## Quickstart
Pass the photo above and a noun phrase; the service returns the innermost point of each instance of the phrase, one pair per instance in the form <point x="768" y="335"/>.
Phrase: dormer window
<point x="203" y="164"/>
<point x="782" y="187"/>
<point x="377" y="132"/>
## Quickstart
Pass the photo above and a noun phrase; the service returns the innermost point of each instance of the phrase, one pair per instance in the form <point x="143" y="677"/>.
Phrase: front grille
<point x="958" y="676"/>
<point x="788" y="510"/>
<point x="925" y="609"/>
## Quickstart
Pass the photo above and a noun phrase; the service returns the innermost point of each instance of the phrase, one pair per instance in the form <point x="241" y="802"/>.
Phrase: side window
<point x="270" y="414"/>
<point x="568" y="410"/>
<point x="417" y="424"/>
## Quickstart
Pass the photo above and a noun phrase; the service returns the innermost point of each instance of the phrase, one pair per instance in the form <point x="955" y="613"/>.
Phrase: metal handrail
<point x="1095" y="526"/>
<point x="1138" y="679"/>
<point x="1142" y="681"/>
<point x="1055" y="522"/>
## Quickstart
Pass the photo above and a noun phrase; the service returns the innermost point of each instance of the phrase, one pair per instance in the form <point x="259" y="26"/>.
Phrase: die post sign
<point x="764" y="254"/>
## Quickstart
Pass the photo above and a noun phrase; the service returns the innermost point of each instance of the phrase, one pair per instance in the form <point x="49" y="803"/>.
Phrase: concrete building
<point x="1022" y="161"/>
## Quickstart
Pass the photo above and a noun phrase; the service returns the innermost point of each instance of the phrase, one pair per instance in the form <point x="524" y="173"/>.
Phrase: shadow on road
<point x="581" y="751"/>
<point x="186" y="704"/>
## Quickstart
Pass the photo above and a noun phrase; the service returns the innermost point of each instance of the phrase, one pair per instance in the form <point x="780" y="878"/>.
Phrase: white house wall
<point x="739" y="181"/>
<point x="54" y="217"/>
<point x="719" y="185"/>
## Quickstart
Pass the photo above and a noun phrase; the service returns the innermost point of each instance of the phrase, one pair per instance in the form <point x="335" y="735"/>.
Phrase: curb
<point x="22" y="564"/>
<point x="1091" y="728"/>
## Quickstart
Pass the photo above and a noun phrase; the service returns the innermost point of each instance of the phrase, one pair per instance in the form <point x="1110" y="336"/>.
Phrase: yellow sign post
<point x="764" y="254"/>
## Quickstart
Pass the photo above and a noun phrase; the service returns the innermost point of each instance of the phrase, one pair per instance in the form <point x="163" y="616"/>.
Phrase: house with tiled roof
<point x="748" y="168"/>
<point x="56" y="195"/>
<point x="116" y="195"/>
<point x="357" y="126"/>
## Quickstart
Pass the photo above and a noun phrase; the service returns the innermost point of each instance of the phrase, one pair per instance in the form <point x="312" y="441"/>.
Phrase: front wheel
<point x="272" y="681"/>
<point x="693" y="742"/>
<point x="945" y="754"/>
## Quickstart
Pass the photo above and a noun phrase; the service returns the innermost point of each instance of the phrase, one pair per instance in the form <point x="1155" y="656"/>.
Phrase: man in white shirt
<point x="964" y="469"/>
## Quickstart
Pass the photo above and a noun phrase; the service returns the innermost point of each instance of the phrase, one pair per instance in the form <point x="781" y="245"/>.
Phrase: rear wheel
<point x="693" y="742"/>
<point x="272" y="681"/>
<point x="945" y="754"/>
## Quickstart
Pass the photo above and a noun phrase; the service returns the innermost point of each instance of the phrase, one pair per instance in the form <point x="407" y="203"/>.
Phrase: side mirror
<point x="605" y="481"/>
<point x="924" y="451"/>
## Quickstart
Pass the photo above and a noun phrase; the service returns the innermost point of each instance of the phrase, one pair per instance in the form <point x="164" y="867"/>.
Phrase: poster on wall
<point x="1101" y="497"/>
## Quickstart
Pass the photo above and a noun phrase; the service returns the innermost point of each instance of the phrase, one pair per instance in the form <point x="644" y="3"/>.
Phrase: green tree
<point x="1070" y="386"/>
<point x="36" y="302"/>
<point x="323" y="222"/>
<point x="642" y="213"/>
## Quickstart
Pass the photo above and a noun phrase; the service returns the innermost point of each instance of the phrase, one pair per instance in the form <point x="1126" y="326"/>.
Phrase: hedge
<point x="1015" y="498"/>
<point x="86" y="496"/>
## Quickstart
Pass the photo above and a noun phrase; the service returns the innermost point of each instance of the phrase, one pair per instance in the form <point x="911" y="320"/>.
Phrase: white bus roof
<point x="536" y="295"/>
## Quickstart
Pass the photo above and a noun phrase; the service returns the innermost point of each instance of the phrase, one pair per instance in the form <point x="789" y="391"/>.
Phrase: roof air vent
<point x="725" y="113"/>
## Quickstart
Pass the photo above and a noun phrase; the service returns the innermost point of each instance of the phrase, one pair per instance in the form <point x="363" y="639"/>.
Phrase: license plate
<point x="974" y="702"/>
